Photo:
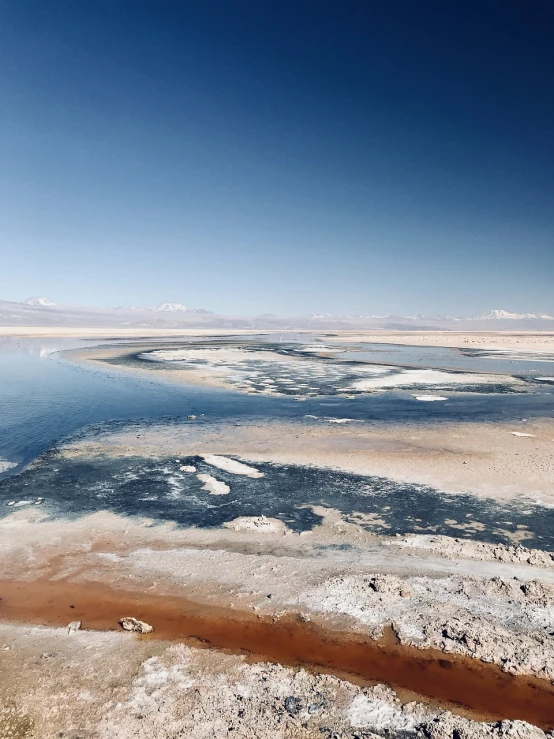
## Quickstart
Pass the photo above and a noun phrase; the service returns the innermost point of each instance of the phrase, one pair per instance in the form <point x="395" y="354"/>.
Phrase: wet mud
<point x="478" y="690"/>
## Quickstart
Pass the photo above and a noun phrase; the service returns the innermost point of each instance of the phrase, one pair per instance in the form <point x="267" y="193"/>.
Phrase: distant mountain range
<point x="39" y="301"/>
<point x="168" y="307"/>
<point x="40" y="311"/>
<point x="177" y="308"/>
<point x="500" y="315"/>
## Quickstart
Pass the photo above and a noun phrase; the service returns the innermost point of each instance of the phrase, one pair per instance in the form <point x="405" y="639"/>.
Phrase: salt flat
<point x="230" y="516"/>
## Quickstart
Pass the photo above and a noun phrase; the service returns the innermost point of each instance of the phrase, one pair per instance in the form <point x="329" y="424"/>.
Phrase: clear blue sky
<point x="380" y="156"/>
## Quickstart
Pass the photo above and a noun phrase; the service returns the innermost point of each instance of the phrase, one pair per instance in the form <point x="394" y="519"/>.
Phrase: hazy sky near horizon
<point x="380" y="156"/>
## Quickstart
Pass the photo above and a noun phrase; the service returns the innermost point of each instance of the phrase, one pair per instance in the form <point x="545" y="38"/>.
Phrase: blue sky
<point x="381" y="156"/>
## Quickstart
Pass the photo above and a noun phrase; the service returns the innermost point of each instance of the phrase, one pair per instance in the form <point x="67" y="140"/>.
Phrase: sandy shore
<point x="520" y="340"/>
<point x="126" y="333"/>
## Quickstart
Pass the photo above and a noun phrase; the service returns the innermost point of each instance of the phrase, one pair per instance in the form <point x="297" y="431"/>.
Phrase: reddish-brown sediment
<point x="481" y="690"/>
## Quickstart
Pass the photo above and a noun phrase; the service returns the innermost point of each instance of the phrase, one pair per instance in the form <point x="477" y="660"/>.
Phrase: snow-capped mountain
<point x="171" y="307"/>
<point x="176" y="308"/>
<point x="39" y="311"/>
<point x="504" y="315"/>
<point x="39" y="301"/>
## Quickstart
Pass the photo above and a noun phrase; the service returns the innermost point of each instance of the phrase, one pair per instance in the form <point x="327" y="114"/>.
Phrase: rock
<point x="448" y="726"/>
<point x="191" y="417"/>
<point x="73" y="626"/>
<point x="539" y="592"/>
<point x="389" y="584"/>
<point x="292" y="705"/>
<point x="187" y="468"/>
<point x="11" y="502"/>
<point x="133" y="624"/>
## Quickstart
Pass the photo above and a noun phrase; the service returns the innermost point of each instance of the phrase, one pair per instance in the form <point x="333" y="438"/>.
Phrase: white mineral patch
<point x="259" y="524"/>
<point x="179" y="355"/>
<point x="187" y="468"/>
<point x="215" y="487"/>
<point x="340" y="420"/>
<point x="373" y="369"/>
<point x="155" y="684"/>
<point x="520" y="433"/>
<point x="232" y="466"/>
<point x="447" y="546"/>
<point x="408" y="378"/>
<point x="430" y="398"/>
<point x="373" y="713"/>
<point x="320" y="349"/>
<point x="5" y="465"/>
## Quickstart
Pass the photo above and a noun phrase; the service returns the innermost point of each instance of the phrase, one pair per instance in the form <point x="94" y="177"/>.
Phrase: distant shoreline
<point x="520" y="340"/>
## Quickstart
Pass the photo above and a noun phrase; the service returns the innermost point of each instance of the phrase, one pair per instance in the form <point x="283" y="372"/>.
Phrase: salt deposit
<point x="465" y="548"/>
<point x="501" y="621"/>
<point x="379" y="709"/>
<point x="261" y="524"/>
<point x="215" y="487"/>
<point x="409" y="378"/>
<point x="231" y="465"/>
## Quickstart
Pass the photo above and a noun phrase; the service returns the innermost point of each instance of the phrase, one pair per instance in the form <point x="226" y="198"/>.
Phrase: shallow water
<point x="45" y="397"/>
<point x="466" y="686"/>
<point x="158" y="488"/>
<point x="528" y="364"/>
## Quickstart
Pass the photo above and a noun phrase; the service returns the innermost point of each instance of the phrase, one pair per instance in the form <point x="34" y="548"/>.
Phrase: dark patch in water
<point x="157" y="488"/>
